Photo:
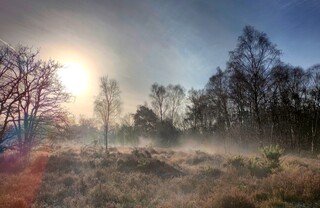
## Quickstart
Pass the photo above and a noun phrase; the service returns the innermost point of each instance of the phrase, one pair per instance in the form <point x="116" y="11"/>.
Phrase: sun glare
<point x="74" y="78"/>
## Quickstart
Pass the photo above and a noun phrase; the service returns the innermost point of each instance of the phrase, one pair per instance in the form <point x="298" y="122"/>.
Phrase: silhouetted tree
<point x="199" y="112"/>
<point x="145" y="121"/>
<point x="175" y="97"/>
<point x="107" y="105"/>
<point x="9" y="80"/>
<point x="158" y="97"/>
<point x="127" y="133"/>
<point x="167" y="134"/>
<point x="32" y="95"/>
<point x="314" y="105"/>
<point x="217" y="93"/>
<point x="250" y="65"/>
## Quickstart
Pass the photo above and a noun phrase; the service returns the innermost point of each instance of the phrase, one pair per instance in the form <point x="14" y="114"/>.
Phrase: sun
<point x="74" y="78"/>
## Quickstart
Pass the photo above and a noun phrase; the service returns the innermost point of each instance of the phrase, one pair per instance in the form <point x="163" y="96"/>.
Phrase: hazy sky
<point x="139" y="42"/>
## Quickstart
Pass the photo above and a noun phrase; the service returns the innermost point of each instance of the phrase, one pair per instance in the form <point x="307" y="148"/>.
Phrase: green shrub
<point x="272" y="154"/>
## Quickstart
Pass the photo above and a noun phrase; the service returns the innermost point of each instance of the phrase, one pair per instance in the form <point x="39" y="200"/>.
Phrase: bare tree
<point x="9" y="79"/>
<point x="199" y="113"/>
<point x="32" y="96"/>
<point x="250" y="64"/>
<point x="314" y="73"/>
<point x="217" y="91"/>
<point x="42" y="96"/>
<point x="176" y="95"/>
<point x="158" y="97"/>
<point x="108" y="103"/>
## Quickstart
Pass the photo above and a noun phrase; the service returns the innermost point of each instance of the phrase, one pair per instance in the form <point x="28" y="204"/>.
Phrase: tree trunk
<point x="106" y="136"/>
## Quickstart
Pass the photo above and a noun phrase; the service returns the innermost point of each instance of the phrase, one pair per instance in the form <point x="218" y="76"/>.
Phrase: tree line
<point x="257" y="99"/>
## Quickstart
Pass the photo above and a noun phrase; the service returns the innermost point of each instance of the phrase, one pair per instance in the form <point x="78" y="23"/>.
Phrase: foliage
<point x="272" y="154"/>
<point x="145" y="121"/>
<point x="167" y="134"/>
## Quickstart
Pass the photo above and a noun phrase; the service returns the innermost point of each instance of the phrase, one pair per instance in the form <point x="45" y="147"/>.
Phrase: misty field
<point x="85" y="176"/>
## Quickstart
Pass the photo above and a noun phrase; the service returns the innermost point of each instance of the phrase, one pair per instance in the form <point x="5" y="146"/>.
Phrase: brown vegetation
<point x="20" y="178"/>
<point x="156" y="177"/>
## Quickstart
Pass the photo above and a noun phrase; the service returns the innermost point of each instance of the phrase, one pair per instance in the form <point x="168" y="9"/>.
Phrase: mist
<point x="145" y="103"/>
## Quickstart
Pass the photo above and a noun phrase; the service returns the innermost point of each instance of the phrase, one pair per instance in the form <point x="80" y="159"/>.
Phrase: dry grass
<point x="21" y="178"/>
<point x="155" y="177"/>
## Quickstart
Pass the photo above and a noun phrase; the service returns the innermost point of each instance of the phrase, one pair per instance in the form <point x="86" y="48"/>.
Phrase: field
<point x="85" y="176"/>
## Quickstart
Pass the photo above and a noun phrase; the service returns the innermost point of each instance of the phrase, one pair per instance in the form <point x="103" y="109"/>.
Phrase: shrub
<point x="259" y="167"/>
<point x="236" y="162"/>
<point x="272" y="154"/>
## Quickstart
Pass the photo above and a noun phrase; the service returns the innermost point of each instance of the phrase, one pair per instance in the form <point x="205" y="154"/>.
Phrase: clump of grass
<point x="211" y="172"/>
<point x="236" y="162"/>
<point x="232" y="199"/>
<point x="259" y="167"/>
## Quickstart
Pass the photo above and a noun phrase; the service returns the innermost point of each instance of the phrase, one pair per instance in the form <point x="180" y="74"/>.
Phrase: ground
<point x="85" y="176"/>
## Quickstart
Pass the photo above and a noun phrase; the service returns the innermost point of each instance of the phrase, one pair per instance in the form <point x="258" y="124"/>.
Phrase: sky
<point x="139" y="42"/>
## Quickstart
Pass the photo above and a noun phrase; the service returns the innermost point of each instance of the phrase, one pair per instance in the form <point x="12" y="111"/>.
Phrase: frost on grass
<point x="156" y="177"/>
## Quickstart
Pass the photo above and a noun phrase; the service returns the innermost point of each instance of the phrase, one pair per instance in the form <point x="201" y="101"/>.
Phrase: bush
<point x="236" y="162"/>
<point x="272" y="154"/>
<point x="259" y="167"/>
